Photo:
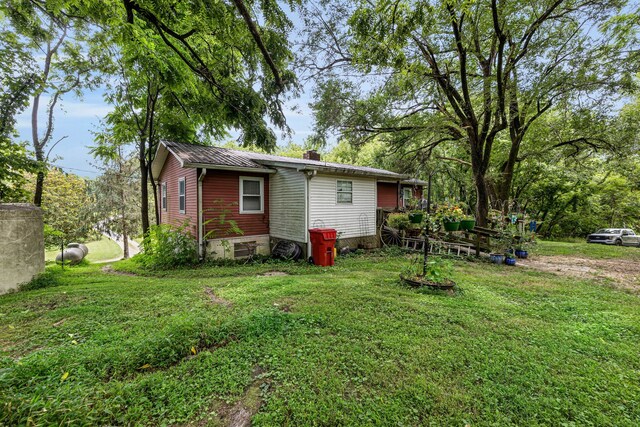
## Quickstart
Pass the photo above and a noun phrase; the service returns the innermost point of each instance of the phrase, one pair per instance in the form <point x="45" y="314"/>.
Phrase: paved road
<point x="134" y="248"/>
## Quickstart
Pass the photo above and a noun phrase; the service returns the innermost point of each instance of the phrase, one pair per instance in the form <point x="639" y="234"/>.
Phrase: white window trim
<point x="344" y="203"/>
<point x="251" y="178"/>
<point x="163" y="196"/>
<point x="404" y="198"/>
<point x="182" y="211"/>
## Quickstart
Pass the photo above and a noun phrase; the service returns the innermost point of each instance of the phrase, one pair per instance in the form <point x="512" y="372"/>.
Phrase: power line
<point x="75" y="169"/>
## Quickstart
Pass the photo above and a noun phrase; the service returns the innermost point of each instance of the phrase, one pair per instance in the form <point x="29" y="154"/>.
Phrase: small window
<point x="407" y="194"/>
<point x="344" y="192"/>
<point x="163" y="196"/>
<point x="251" y="195"/>
<point x="181" y="195"/>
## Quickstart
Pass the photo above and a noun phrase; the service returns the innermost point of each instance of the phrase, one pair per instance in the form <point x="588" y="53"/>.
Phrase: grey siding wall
<point x="287" y="205"/>
<point x="355" y="219"/>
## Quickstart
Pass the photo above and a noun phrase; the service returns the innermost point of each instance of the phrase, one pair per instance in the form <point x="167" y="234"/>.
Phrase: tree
<point x="115" y="193"/>
<point x="69" y="60"/>
<point x="66" y="206"/>
<point x="450" y="72"/>
<point x="16" y="83"/>
<point x="155" y="97"/>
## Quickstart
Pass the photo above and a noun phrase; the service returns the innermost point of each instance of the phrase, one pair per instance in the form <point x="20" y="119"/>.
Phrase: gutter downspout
<point x="308" y="174"/>
<point x="201" y="243"/>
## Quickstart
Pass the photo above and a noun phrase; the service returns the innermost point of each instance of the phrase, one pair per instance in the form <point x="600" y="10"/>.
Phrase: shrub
<point x="167" y="247"/>
<point x="46" y="279"/>
<point x="399" y="221"/>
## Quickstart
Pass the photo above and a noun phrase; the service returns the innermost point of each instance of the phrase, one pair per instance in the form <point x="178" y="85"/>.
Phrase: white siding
<point x="355" y="219"/>
<point x="287" y="200"/>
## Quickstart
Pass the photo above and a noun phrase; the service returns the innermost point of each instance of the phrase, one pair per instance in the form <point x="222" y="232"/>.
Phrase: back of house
<point x="237" y="202"/>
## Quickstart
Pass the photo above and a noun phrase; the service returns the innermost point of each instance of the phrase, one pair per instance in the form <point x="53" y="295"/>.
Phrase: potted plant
<point x="467" y="222"/>
<point x="523" y="245"/>
<point x="415" y="216"/>
<point x="450" y="216"/>
<point x="509" y="259"/>
<point x="501" y="246"/>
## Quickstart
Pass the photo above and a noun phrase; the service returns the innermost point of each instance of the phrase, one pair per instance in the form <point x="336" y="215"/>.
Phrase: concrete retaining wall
<point x="21" y="244"/>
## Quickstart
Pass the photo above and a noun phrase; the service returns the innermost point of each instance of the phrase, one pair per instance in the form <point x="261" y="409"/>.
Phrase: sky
<point x="76" y="118"/>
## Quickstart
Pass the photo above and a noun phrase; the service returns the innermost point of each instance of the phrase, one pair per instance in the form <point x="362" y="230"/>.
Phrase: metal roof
<point x="190" y="154"/>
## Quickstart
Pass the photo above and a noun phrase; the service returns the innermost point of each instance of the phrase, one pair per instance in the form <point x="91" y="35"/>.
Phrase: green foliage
<point x="399" y="221"/>
<point x="439" y="269"/>
<point x="49" y="278"/>
<point x="167" y="247"/>
<point x="66" y="207"/>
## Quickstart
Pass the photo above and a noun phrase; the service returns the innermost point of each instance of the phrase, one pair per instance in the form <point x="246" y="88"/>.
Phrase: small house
<point x="271" y="198"/>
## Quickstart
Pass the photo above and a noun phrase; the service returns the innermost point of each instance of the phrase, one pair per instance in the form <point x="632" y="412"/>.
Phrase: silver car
<point x="615" y="236"/>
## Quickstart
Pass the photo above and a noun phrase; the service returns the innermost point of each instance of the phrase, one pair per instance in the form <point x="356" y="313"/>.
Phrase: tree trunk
<point x="144" y="190"/>
<point x="482" y="199"/>
<point x="154" y="187"/>
<point x="37" y="197"/>
<point x="504" y="188"/>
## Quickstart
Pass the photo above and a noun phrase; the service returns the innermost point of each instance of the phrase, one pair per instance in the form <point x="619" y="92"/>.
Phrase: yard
<point x="310" y="346"/>
<point x="100" y="250"/>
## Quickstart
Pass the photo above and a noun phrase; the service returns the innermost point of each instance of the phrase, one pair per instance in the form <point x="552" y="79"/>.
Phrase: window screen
<point x="181" y="195"/>
<point x="344" y="192"/>
<point x="163" y="197"/>
<point x="251" y="194"/>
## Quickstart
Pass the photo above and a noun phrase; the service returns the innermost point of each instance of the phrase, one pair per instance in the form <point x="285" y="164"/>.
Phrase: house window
<point x="251" y="194"/>
<point x="163" y="196"/>
<point x="182" y="202"/>
<point x="344" y="192"/>
<point x="407" y="194"/>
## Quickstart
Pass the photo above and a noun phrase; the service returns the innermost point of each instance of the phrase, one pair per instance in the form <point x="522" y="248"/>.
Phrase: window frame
<point x="338" y="191"/>
<point x="163" y="196"/>
<point x="404" y="193"/>
<point x="241" y="195"/>
<point x="183" y="196"/>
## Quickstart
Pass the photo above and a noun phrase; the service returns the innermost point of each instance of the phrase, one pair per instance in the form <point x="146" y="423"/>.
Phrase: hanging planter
<point x="451" y="226"/>
<point x="416" y="217"/>
<point x="467" y="224"/>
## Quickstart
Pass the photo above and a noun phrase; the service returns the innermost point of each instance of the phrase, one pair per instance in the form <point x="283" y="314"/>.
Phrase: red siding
<point x="221" y="191"/>
<point x="387" y="195"/>
<point x="417" y="192"/>
<point x="171" y="173"/>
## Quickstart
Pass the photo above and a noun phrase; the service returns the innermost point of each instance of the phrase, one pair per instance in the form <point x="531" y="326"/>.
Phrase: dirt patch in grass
<point x="624" y="273"/>
<point x="215" y="299"/>
<point x="239" y="413"/>
<point x="274" y="273"/>
<point x="109" y="270"/>
<point x="285" y="305"/>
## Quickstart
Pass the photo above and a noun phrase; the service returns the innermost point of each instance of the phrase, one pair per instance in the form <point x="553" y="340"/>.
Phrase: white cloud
<point x="85" y="109"/>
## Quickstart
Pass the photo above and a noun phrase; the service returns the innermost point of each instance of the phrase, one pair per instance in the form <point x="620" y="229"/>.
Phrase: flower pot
<point x="510" y="261"/>
<point x="521" y="253"/>
<point x="451" y="226"/>
<point x="496" y="258"/>
<point x="467" y="224"/>
<point x="416" y="217"/>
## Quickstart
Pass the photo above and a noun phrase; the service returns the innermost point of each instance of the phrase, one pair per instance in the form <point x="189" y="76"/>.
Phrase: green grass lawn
<point x="99" y="250"/>
<point x="588" y="250"/>
<point x="339" y="346"/>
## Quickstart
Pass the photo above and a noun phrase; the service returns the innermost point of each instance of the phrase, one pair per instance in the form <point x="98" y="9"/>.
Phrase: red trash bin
<point x="322" y="242"/>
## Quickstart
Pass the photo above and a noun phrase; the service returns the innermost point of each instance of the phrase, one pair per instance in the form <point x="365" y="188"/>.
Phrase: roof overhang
<point x="329" y="170"/>
<point x="227" y="168"/>
<point x="163" y="152"/>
